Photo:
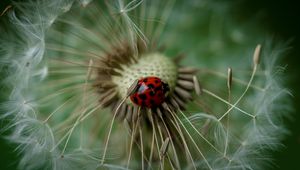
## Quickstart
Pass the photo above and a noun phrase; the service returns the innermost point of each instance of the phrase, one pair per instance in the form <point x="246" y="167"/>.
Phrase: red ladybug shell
<point x="150" y="93"/>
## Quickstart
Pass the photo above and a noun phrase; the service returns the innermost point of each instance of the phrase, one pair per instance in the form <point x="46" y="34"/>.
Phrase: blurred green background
<point x="282" y="20"/>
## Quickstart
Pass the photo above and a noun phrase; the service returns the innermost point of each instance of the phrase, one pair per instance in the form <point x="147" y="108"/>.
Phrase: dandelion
<point x="96" y="85"/>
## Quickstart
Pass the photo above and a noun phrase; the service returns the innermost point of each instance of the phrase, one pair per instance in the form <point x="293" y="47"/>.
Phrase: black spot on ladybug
<point x="151" y="86"/>
<point x="143" y="96"/>
<point x="158" y="88"/>
<point x="135" y="99"/>
<point x="152" y="93"/>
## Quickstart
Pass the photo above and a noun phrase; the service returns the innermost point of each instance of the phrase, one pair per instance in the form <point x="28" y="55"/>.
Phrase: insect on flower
<point x="96" y="85"/>
<point x="149" y="92"/>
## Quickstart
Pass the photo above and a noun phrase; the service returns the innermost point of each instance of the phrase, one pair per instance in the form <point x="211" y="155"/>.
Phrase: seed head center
<point x="153" y="64"/>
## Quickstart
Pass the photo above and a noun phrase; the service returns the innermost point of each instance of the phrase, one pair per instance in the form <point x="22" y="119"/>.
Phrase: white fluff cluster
<point x="225" y="129"/>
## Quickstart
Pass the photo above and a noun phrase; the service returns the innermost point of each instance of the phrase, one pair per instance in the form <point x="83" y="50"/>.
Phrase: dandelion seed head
<point x="69" y="65"/>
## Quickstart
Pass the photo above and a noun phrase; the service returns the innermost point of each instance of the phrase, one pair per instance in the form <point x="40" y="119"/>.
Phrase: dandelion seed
<point x="91" y="87"/>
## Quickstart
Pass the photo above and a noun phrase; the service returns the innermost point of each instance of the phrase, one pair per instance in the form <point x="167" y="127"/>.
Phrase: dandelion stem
<point x="72" y="51"/>
<point x="75" y="124"/>
<point x="165" y="142"/>
<point x="209" y="143"/>
<point x="60" y="92"/>
<point x="239" y="99"/>
<point x="110" y="129"/>
<point x="58" y="108"/>
<point x="229" y="86"/>
<point x="5" y="10"/>
<point x="88" y="76"/>
<point x="161" y="157"/>
<point x="172" y="143"/>
<point x="177" y="127"/>
<point x="155" y="136"/>
<point x="89" y="113"/>
<point x="256" y="56"/>
<point x="151" y="150"/>
<point x="193" y="141"/>
<point x="73" y="116"/>
<point x="142" y="146"/>
<point x="131" y="5"/>
<point x="220" y="74"/>
<point x="217" y="97"/>
<point x="74" y="64"/>
<point x="130" y="146"/>
<point x="164" y="16"/>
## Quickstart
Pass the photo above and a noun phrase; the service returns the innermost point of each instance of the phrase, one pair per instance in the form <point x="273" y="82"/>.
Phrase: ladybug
<point x="150" y="92"/>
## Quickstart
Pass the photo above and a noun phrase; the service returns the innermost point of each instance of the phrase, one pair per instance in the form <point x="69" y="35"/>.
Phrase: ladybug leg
<point x="165" y="88"/>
